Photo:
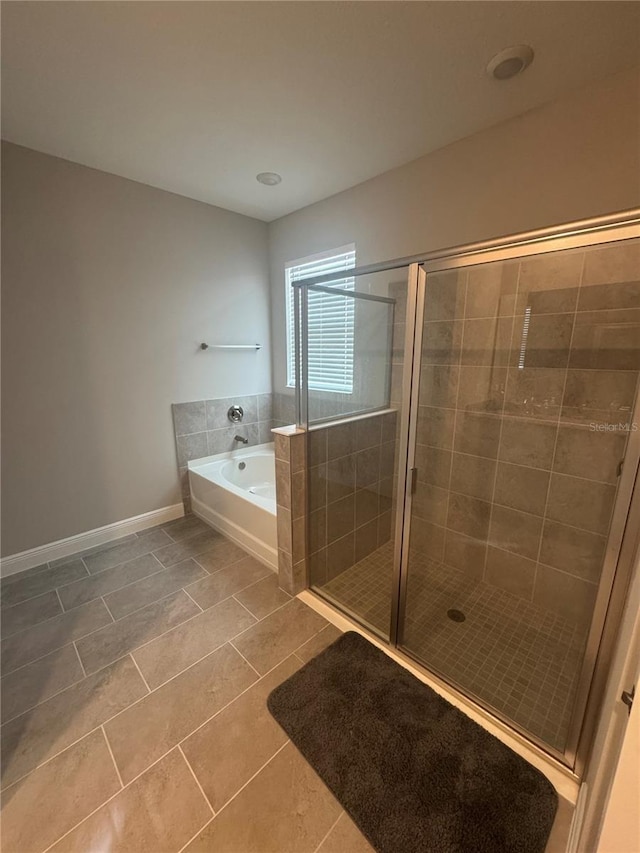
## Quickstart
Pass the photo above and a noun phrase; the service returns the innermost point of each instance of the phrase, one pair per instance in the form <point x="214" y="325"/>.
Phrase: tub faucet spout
<point x="241" y="439"/>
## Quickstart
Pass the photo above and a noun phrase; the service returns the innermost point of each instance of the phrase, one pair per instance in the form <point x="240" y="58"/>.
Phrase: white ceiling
<point x="198" y="97"/>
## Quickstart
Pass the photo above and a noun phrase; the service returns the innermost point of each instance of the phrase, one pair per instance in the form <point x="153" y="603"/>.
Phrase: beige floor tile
<point x="94" y="586"/>
<point x="283" y="807"/>
<point x="227" y="751"/>
<point x="263" y="597"/>
<point x="122" y="553"/>
<point x="31" y="585"/>
<point x="159" y="812"/>
<point x="223" y="553"/>
<point x="30" y="613"/>
<point x="191" y="547"/>
<point x="18" y="577"/>
<point x="47" y="729"/>
<point x="319" y="643"/>
<point x="144" y="732"/>
<point x="174" y="651"/>
<point x="286" y="808"/>
<point x="227" y="581"/>
<point x="124" y="601"/>
<point x="115" y="640"/>
<point x="36" y="642"/>
<point x="345" y="837"/>
<point x="37" y="681"/>
<point x="278" y="635"/>
<point x="57" y="796"/>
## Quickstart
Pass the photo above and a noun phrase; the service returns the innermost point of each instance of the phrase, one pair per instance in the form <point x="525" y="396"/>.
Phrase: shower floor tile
<point x="366" y="589"/>
<point x="518" y="659"/>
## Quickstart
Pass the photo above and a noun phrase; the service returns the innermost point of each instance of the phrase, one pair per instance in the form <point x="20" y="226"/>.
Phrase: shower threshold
<point x="515" y="659"/>
<point x="565" y="781"/>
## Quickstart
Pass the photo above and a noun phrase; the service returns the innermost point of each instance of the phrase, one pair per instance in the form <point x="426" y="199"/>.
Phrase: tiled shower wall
<point x="350" y="486"/>
<point x="203" y="429"/>
<point x="519" y="361"/>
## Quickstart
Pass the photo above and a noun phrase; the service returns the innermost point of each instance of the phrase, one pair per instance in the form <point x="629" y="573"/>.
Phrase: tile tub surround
<point x="202" y="428"/>
<point x="515" y="487"/>
<point x="169" y="744"/>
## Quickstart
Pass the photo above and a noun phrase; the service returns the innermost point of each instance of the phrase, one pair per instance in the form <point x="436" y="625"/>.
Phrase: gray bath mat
<point x="414" y="773"/>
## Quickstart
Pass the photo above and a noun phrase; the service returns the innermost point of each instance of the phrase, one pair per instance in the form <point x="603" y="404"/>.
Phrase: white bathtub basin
<point x="236" y="494"/>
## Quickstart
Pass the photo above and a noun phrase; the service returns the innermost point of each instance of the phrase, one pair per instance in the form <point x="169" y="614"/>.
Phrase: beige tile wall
<point x="291" y="498"/>
<point x="518" y="360"/>
<point x="350" y="488"/>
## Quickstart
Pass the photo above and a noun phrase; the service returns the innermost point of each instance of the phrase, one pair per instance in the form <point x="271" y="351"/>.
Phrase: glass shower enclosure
<point x="352" y="445"/>
<point x="467" y="500"/>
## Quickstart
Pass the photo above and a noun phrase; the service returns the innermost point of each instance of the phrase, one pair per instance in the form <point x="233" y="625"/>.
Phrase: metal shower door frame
<point x="301" y="330"/>
<point x="615" y="573"/>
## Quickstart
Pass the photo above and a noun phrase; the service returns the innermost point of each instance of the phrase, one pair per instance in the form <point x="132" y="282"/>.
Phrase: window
<point x="331" y="321"/>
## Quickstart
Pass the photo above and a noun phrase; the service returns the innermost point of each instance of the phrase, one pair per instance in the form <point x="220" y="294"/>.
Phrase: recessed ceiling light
<point x="510" y="62"/>
<point x="270" y="179"/>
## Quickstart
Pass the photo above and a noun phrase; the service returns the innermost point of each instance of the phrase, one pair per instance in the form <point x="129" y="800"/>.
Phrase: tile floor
<point x="137" y="674"/>
<point x="517" y="658"/>
<point x="133" y="704"/>
<point x="366" y="589"/>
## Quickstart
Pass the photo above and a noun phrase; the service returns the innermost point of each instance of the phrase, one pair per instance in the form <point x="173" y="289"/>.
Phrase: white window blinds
<point x="331" y="321"/>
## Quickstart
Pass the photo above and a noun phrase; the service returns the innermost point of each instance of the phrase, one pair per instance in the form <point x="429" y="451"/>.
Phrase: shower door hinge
<point x="414" y="480"/>
<point x="627" y="697"/>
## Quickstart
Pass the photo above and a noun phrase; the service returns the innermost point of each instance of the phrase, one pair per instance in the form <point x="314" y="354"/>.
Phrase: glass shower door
<point x="352" y="445"/>
<point x="527" y="388"/>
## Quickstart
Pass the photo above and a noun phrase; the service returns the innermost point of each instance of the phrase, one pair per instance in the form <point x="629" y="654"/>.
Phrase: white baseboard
<point x="91" y="539"/>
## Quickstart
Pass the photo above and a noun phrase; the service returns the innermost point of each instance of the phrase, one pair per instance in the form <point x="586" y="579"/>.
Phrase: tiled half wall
<point x="350" y="488"/>
<point x="344" y="475"/>
<point x="290" y="445"/>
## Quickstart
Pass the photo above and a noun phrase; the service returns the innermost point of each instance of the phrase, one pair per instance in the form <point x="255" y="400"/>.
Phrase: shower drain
<point x="456" y="615"/>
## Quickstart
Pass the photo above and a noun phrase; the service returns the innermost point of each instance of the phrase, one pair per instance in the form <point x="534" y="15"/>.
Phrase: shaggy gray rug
<point x="414" y="773"/>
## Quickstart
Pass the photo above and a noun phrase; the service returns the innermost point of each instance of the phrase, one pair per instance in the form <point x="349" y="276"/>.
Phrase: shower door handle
<point x="414" y="480"/>
<point x="628" y="697"/>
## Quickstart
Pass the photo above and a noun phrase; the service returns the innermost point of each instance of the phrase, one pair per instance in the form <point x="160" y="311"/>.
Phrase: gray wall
<point x="575" y="158"/>
<point x="108" y="288"/>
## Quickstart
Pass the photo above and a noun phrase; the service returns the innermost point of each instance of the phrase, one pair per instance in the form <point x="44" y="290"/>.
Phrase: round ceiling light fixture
<point x="269" y="179"/>
<point x="510" y="62"/>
